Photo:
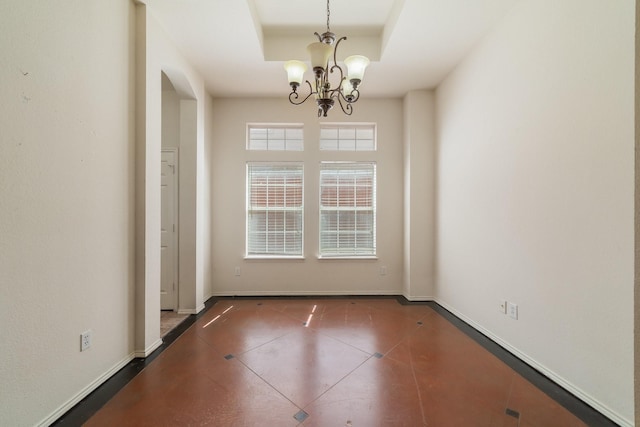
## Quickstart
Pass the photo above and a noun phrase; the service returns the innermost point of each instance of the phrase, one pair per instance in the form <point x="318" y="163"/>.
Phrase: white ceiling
<point x="239" y="46"/>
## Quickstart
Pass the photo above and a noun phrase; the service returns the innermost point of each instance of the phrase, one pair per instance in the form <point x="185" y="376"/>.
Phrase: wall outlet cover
<point x="512" y="309"/>
<point x="85" y="340"/>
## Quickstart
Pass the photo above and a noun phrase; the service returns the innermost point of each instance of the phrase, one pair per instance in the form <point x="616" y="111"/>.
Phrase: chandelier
<point x="346" y="92"/>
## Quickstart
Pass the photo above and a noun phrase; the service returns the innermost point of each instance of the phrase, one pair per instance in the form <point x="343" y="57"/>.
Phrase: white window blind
<point x="274" y="137"/>
<point x="274" y="209"/>
<point x="347" y="209"/>
<point x="348" y="137"/>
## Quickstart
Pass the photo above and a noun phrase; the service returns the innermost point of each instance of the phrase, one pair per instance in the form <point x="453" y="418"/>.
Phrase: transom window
<point x="347" y="209"/>
<point x="275" y="137"/>
<point x="274" y="209"/>
<point x="348" y="137"/>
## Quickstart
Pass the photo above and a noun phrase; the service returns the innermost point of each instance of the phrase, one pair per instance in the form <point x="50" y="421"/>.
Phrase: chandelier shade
<point x="346" y="89"/>
<point x="356" y="64"/>
<point x="295" y="71"/>
<point x="319" y="53"/>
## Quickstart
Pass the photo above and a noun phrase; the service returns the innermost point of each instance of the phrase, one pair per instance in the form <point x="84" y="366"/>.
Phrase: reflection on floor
<point x="360" y="362"/>
<point x="169" y="320"/>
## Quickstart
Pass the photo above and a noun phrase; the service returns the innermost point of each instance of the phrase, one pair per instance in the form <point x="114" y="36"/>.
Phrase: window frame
<point x="249" y="208"/>
<point x="341" y="144"/>
<point x="272" y="127"/>
<point x="372" y="253"/>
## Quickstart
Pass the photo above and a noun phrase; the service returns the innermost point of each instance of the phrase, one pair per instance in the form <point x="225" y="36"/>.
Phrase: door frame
<point x="176" y="234"/>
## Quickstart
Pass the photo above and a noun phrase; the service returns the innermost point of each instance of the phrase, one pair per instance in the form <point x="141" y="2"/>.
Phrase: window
<point x="275" y="137"/>
<point x="274" y="209"/>
<point x="347" y="209"/>
<point x="348" y="137"/>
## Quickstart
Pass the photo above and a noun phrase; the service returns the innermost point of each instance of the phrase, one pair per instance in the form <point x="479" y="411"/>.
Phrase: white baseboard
<point x="414" y="298"/>
<point x="191" y="310"/>
<point x="579" y="393"/>
<point x="85" y="392"/>
<point x="150" y="349"/>
<point x="376" y="292"/>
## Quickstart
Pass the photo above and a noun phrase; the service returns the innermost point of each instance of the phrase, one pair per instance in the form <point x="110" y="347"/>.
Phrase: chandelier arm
<point x="318" y="36"/>
<point x="335" y="50"/>
<point x="341" y="72"/>
<point x="351" y="97"/>
<point x="293" y="96"/>
<point x="335" y="93"/>
<point x="347" y="109"/>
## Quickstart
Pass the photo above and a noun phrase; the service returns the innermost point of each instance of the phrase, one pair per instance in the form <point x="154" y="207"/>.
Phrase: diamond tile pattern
<point x="328" y="362"/>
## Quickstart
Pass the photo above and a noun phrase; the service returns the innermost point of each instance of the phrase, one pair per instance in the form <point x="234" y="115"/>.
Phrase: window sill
<point x="274" y="258"/>
<point x="349" y="258"/>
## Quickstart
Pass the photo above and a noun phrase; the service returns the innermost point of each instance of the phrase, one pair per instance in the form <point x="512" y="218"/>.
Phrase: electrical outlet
<point x="383" y="270"/>
<point x="85" y="340"/>
<point x="502" y="306"/>
<point x="237" y="271"/>
<point x="512" y="310"/>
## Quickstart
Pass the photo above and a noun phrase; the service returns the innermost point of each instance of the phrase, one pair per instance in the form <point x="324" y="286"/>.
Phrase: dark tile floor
<point x="359" y="362"/>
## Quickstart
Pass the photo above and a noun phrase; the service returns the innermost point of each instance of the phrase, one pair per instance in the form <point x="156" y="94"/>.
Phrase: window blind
<point x="347" y="209"/>
<point x="274" y="209"/>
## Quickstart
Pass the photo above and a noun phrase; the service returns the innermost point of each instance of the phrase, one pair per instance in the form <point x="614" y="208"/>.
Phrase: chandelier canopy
<point x="346" y="92"/>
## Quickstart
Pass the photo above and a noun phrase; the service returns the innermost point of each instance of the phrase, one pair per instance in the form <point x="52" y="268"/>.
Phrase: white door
<point x="169" y="231"/>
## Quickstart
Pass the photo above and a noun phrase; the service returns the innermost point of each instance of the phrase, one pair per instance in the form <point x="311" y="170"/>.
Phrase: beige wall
<point x="170" y="115"/>
<point x="308" y="276"/>
<point x="419" y="195"/>
<point x="156" y="55"/>
<point x="78" y="251"/>
<point x="535" y="202"/>
<point x="637" y="222"/>
<point x="207" y="203"/>
<point x="67" y="211"/>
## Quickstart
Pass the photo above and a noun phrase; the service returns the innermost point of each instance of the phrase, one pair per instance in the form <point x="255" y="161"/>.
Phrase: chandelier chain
<point x="328" y="14"/>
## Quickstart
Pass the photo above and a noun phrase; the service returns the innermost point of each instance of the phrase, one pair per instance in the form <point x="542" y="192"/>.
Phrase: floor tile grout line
<point x="339" y="381"/>
<point x="404" y="337"/>
<point x="343" y="342"/>
<point x="208" y="344"/>
<point x="415" y="381"/>
<point x="415" y="328"/>
<point x="511" y="386"/>
<point x="267" y="383"/>
<point x="370" y="356"/>
<point x="264" y="343"/>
